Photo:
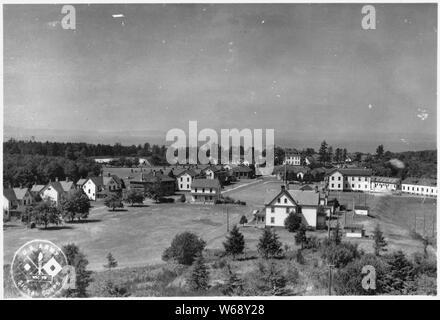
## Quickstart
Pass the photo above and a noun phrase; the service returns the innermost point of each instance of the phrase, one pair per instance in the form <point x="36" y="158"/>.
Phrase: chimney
<point x="283" y="187"/>
<point x="108" y="174"/>
<point x="56" y="179"/>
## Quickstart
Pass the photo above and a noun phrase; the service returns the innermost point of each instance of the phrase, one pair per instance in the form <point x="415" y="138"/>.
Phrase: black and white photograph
<point x="218" y="150"/>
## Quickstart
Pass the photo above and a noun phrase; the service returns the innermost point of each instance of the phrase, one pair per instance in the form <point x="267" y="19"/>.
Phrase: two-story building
<point x="292" y="158"/>
<point x="242" y="172"/>
<point x="56" y="191"/>
<point x="309" y="204"/>
<point x="184" y="179"/>
<point x="420" y="186"/>
<point x="349" y="179"/>
<point x="205" y="190"/>
<point x="95" y="187"/>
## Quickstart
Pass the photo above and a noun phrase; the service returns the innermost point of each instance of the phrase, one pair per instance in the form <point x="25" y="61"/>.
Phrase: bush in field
<point x="349" y="280"/>
<point x="184" y="248"/>
<point x="134" y="196"/>
<point x="234" y="285"/>
<point x="270" y="279"/>
<point x="112" y="290"/>
<point x="269" y="246"/>
<point x="111" y="262"/>
<point x="293" y="222"/>
<point x="234" y="243"/>
<point x="340" y="255"/>
<point x="182" y="198"/>
<point x="78" y="260"/>
<point x="243" y="220"/>
<point x="199" y="275"/>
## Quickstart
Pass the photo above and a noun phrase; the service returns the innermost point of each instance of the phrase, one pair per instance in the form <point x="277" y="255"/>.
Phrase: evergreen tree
<point x="234" y="242"/>
<point x="401" y="274"/>
<point x="293" y="222"/>
<point x="379" y="241"/>
<point x="199" y="277"/>
<point x="270" y="280"/>
<point x="323" y="156"/>
<point x="300" y="236"/>
<point x="111" y="262"/>
<point x="234" y="285"/>
<point x="269" y="245"/>
<point x="379" y="151"/>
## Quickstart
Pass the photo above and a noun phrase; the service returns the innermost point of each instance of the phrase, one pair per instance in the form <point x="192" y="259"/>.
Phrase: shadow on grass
<point x="54" y="228"/>
<point x="117" y="210"/>
<point x="84" y="221"/>
<point x="139" y="206"/>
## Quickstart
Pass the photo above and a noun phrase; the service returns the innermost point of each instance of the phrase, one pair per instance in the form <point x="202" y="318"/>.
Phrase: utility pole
<point x="330" y="278"/>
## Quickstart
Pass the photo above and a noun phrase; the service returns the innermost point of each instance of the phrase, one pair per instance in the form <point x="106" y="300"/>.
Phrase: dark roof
<point x="306" y="187"/>
<point x="9" y="194"/>
<point x="421" y="181"/>
<point x="352" y="172"/>
<point x="241" y="169"/>
<point x="37" y="187"/>
<point x="361" y="207"/>
<point x="385" y="180"/>
<point x="205" y="183"/>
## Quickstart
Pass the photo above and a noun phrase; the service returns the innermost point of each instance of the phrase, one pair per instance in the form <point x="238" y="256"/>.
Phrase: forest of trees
<point x="73" y="151"/>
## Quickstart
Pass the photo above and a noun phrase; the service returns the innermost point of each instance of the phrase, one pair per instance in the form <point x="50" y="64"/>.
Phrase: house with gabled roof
<point x="36" y="190"/>
<point x="310" y="205"/>
<point x="96" y="186"/>
<point x="154" y="181"/>
<point x="205" y="191"/>
<point x="184" y="179"/>
<point x="56" y="191"/>
<point x="215" y="172"/>
<point x="9" y="199"/>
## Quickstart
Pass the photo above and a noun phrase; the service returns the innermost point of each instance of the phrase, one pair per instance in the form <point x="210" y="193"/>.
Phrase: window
<point x="187" y="186"/>
<point x="279" y="200"/>
<point x="285" y="200"/>
<point x="272" y="220"/>
<point x="210" y="190"/>
<point x="89" y="191"/>
<point x="352" y="185"/>
<point x="366" y="186"/>
<point x="187" y="179"/>
<point x="339" y="185"/>
<point x="287" y="210"/>
<point x="195" y="197"/>
<point x="203" y="189"/>
<point x="333" y="185"/>
<point x="196" y="190"/>
<point x="339" y="178"/>
<point x="210" y="197"/>
<point x="359" y="178"/>
<point x="333" y="178"/>
<point x="181" y="186"/>
<point x="272" y="209"/>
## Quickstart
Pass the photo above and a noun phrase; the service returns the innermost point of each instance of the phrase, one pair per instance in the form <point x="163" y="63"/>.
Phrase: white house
<point x="56" y="191"/>
<point x="307" y="203"/>
<point x="205" y="190"/>
<point x="384" y="184"/>
<point x="184" y="180"/>
<point x="292" y="158"/>
<point x="420" y="186"/>
<point x="94" y="186"/>
<point x="349" y="179"/>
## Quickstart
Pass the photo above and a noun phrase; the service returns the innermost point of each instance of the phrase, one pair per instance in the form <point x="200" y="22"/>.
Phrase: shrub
<point x="234" y="243"/>
<point x="269" y="246"/>
<point x="293" y="222"/>
<point x="340" y="255"/>
<point x="184" y="248"/>
<point x="199" y="275"/>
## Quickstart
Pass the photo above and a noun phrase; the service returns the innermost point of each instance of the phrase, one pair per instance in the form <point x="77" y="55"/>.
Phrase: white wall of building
<point x="430" y="191"/>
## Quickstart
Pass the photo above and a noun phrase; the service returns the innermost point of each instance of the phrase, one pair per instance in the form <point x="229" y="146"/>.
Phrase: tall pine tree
<point x="200" y="275"/>
<point x="234" y="243"/>
<point x="379" y="241"/>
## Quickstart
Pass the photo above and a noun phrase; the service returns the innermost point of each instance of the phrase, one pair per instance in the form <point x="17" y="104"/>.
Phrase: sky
<point x="308" y="71"/>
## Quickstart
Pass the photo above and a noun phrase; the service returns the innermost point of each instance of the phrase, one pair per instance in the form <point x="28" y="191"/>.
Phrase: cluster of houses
<point x="203" y="183"/>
